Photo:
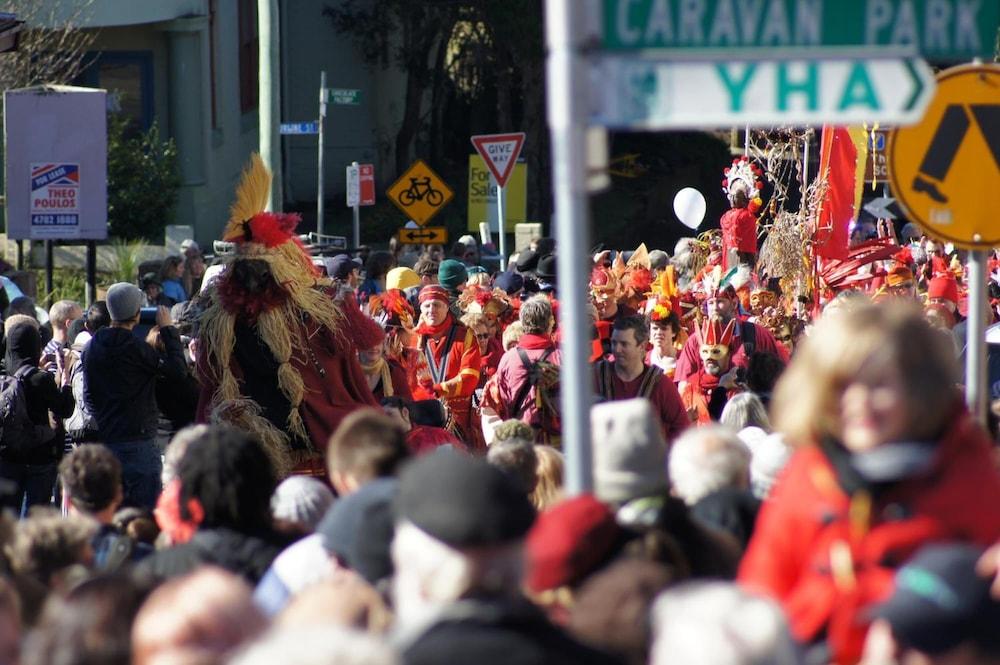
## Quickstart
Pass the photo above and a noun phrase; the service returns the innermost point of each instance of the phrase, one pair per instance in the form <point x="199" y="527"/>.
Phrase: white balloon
<point x="689" y="206"/>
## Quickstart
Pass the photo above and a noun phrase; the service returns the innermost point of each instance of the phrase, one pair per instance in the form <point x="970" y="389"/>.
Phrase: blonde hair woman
<point x="549" y="488"/>
<point x="888" y="460"/>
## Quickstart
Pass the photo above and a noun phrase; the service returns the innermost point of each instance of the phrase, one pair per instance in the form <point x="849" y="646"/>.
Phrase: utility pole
<point x="566" y="94"/>
<point x="269" y="95"/>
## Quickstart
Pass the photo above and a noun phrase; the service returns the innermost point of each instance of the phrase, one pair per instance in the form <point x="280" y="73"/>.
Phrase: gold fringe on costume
<point x="244" y="414"/>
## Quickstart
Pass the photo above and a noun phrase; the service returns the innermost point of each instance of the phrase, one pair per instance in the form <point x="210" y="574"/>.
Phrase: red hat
<point x="434" y="292"/>
<point x="714" y="333"/>
<point x="569" y="541"/>
<point x="944" y="287"/>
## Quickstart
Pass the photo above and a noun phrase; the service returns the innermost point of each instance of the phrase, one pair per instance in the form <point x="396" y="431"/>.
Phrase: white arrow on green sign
<point x="936" y="29"/>
<point x="648" y="93"/>
<point x="345" y="96"/>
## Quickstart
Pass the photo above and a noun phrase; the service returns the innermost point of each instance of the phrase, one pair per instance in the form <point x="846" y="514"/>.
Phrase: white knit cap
<point x="768" y="456"/>
<point x="302" y="500"/>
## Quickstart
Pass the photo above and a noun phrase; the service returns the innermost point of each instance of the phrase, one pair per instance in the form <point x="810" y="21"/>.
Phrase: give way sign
<point x="500" y="152"/>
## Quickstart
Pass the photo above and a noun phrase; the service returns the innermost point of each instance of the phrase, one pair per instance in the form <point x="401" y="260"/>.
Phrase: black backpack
<point x="18" y="434"/>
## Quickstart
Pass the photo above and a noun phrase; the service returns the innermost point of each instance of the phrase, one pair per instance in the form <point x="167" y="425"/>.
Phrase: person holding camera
<point x="29" y="447"/>
<point x="120" y="372"/>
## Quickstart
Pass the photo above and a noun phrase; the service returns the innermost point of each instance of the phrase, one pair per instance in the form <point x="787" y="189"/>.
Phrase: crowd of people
<point x="328" y="459"/>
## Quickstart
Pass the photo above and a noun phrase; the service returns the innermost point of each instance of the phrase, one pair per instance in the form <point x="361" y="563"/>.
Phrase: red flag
<point x="841" y="157"/>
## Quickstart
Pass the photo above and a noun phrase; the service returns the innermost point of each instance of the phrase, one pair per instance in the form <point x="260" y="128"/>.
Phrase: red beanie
<point x="943" y="287"/>
<point x="570" y="541"/>
<point x="434" y="292"/>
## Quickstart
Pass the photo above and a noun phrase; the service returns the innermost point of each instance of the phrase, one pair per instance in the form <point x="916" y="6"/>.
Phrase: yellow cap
<point x="401" y="278"/>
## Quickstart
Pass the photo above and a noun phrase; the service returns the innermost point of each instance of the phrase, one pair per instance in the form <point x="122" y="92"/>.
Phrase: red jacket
<point x="739" y="231"/>
<point x="828" y="559"/>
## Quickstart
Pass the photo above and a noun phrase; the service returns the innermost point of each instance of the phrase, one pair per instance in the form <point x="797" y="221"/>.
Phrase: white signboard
<point x="649" y="93"/>
<point x="56" y="166"/>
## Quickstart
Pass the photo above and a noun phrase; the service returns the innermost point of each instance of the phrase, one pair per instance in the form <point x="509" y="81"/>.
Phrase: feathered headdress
<point x="391" y="308"/>
<point x="481" y="300"/>
<point x="743" y="174"/>
<point x="247" y="220"/>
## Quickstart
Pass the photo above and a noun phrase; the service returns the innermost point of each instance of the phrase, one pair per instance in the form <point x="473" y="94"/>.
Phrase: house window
<point x="128" y="78"/>
<point x="249" y="44"/>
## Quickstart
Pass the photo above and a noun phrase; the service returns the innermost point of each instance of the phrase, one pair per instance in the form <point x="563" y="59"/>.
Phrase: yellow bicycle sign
<point x="420" y="193"/>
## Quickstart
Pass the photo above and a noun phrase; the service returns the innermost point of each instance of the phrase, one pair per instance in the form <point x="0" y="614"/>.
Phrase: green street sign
<point x="345" y="96"/>
<point x="934" y="29"/>
<point x="651" y="93"/>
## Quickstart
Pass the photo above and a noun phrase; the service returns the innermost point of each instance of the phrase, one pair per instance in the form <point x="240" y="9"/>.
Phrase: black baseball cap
<point x="940" y="602"/>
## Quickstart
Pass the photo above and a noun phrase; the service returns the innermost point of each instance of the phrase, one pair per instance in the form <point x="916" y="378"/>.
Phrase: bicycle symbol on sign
<point x="419" y="190"/>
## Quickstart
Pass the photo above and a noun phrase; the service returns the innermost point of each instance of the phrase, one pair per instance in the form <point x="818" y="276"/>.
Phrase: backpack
<point x="18" y="434"/>
<point x="543" y="377"/>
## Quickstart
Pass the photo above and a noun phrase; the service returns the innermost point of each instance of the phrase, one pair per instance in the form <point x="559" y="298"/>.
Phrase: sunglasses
<point x="483" y="335"/>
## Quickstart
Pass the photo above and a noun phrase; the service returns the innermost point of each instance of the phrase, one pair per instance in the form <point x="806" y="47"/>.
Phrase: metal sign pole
<point x="319" y="155"/>
<point x="357" y="208"/>
<point x="567" y="123"/>
<point x="501" y="222"/>
<point x="91" y="272"/>
<point x="975" y="343"/>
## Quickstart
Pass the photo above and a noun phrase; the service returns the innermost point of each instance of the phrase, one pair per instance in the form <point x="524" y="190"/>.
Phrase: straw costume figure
<point x="278" y="343"/>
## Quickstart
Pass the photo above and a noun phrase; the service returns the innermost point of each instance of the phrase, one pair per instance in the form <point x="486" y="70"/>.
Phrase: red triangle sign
<point x="500" y="152"/>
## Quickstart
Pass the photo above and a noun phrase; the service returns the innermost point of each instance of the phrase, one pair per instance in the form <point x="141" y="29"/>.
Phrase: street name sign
<point x="652" y="93"/>
<point x="952" y="30"/>
<point x="297" y="128"/>
<point x="428" y="235"/>
<point x="945" y="171"/>
<point x="420" y="193"/>
<point x="344" y="96"/>
<point x="499" y="152"/>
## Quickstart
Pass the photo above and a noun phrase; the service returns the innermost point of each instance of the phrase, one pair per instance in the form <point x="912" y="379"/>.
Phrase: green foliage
<point x="67" y="284"/>
<point x="143" y="180"/>
<point x="127" y="257"/>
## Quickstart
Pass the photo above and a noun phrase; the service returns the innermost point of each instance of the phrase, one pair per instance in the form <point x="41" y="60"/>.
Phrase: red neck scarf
<point x="434" y="331"/>
<point x="532" y="341"/>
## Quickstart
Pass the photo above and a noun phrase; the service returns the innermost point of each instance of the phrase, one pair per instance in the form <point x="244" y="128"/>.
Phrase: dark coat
<point x="120" y="373"/>
<point x="488" y="632"/>
<point x="41" y="393"/>
<point x="239" y="553"/>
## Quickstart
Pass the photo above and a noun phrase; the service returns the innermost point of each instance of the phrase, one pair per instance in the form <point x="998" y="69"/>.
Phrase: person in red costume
<point x="706" y="392"/>
<point x="739" y="228"/>
<point x="739" y="223"/>
<point x="888" y="460"/>
<point x="448" y="360"/>
<point x="386" y="365"/>
<point x="747" y="337"/>
<point x="278" y="343"/>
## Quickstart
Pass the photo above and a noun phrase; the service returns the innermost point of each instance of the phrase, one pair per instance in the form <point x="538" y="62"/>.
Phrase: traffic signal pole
<point x="566" y="98"/>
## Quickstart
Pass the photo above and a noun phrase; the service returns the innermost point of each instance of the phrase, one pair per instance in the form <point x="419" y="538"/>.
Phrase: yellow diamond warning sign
<point x="945" y="171"/>
<point x="420" y="193"/>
